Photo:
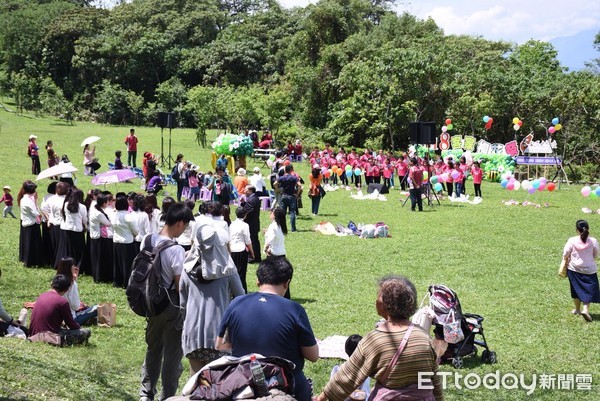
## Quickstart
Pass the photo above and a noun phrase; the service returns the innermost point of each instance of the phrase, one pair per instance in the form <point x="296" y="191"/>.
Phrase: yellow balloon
<point x="558" y="127"/>
<point x="516" y="120"/>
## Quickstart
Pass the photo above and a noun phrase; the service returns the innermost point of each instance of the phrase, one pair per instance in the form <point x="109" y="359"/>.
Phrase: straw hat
<point x="241" y="171"/>
<point x="32" y="136"/>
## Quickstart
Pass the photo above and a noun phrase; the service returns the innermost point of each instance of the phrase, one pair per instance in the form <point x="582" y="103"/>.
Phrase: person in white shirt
<point x="55" y="218"/>
<point x="275" y="237"/>
<point x="185" y="239"/>
<point x="67" y="177"/>
<point x="46" y="230"/>
<point x="72" y="229"/>
<point x="100" y="251"/>
<point x="124" y="250"/>
<point x="240" y="245"/>
<point x="258" y="182"/>
<point x="31" y="251"/>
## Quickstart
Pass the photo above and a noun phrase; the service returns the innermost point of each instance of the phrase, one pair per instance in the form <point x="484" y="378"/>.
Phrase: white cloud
<point x="511" y="20"/>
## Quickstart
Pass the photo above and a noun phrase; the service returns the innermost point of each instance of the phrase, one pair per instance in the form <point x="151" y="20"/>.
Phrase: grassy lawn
<point x="501" y="260"/>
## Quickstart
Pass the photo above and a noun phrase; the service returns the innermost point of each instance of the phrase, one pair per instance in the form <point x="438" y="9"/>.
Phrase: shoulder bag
<point x="412" y="392"/>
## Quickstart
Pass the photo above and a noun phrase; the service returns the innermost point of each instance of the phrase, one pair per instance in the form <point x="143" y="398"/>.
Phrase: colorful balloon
<point x="555" y="121"/>
<point x="535" y="184"/>
<point x="551" y="130"/>
<point x="357" y="172"/>
<point x="444" y="128"/>
<point x="531" y="190"/>
<point x="558" y="127"/>
<point x="450" y="127"/>
<point x="551" y="186"/>
<point x="504" y="183"/>
<point x="517" y="185"/>
<point x="348" y="173"/>
<point x="434" y="180"/>
<point x="437" y="187"/>
<point x="586" y="191"/>
<point x="597" y="190"/>
<point x="448" y="121"/>
<point x="486" y="119"/>
<point x="516" y="120"/>
<point x="526" y="184"/>
<point x="516" y="127"/>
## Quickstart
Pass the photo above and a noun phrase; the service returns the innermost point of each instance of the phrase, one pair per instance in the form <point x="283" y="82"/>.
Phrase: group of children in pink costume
<point x="381" y="167"/>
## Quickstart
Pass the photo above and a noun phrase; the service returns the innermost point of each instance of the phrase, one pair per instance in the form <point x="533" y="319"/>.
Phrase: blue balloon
<point x="504" y="183"/>
<point x="536" y="184"/>
<point x="598" y="191"/>
<point x="486" y="119"/>
<point x="348" y="173"/>
<point x="555" y="120"/>
<point x="357" y="171"/>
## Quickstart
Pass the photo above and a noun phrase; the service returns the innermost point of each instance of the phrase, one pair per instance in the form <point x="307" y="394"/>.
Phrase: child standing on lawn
<point x="8" y="201"/>
<point x="477" y="174"/>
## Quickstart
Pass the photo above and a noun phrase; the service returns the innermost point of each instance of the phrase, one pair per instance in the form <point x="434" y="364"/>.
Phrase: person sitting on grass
<point x="52" y="309"/>
<point x="361" y="393"/>
<point x="6" y="320"/>
<point x="118" y="162"/>
<point x="80" y="311"/>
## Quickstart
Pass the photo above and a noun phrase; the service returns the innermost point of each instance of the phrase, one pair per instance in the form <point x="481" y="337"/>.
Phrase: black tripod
<point x="165" y="159"/>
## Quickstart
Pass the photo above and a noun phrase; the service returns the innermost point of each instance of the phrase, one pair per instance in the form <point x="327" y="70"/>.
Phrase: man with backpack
<point x="163" y="330"/>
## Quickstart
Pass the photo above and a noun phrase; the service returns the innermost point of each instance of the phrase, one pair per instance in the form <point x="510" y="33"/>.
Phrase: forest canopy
<point x="349" y="72"/>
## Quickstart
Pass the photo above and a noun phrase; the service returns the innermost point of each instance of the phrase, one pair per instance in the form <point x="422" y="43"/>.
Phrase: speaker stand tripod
<point x="165" y="160"/>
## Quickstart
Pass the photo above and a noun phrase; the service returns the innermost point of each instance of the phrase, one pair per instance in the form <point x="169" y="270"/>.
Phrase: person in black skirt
<point x="31" y="250"/>
<point x="124" y="232"/>
<point x="73" y="227"/>
<point x="100" y="251"/>
<point x="46" y="227"/>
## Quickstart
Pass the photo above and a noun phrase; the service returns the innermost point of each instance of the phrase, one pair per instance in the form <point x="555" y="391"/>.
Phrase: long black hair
<point x="583" y="228"/>
<point x="279" y="215"/>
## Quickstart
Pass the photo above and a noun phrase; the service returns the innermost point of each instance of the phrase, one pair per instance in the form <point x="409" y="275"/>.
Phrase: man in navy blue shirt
<point x="266" y="323"/>
<point x="289" y="188"/>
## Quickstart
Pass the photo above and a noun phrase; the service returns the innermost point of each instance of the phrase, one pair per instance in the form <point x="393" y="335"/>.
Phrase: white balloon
<point x="517" y="185"/>
<point x="525" y="185"/>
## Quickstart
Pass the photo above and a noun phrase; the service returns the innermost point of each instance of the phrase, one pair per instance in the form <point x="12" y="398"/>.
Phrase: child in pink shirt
<point x="477" y="174"/>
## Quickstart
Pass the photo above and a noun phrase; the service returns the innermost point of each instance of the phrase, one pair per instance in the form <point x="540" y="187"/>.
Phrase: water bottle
<point x="258" y="376"/>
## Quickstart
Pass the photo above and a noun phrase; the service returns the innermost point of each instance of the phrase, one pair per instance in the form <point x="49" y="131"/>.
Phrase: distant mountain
<point x="574" y="51"/>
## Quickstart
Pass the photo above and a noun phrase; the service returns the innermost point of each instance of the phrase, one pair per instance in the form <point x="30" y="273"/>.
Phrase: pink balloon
<point x="454" y="175"/>
<point x="542" y="186"/>
<point x="551" y="130"/>
<point x="510" y="186"/>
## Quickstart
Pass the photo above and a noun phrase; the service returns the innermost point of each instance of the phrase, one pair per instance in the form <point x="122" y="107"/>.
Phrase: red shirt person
<point x="131" y="141"/>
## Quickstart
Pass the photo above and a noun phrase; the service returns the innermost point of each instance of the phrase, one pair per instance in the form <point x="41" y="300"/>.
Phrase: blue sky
<point x="569" y="24"/>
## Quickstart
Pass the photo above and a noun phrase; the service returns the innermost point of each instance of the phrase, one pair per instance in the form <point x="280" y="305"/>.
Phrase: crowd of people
<point x="211" y="311"/>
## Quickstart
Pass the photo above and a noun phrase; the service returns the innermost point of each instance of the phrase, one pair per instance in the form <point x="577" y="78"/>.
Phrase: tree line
<point x="348" y="72"/>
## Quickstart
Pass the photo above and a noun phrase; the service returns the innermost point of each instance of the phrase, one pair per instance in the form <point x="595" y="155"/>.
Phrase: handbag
<point x="107" y="315"/>
<point x="562" y="269"/>
<point x="452" y="331"/>
<point x="412" y="392"/>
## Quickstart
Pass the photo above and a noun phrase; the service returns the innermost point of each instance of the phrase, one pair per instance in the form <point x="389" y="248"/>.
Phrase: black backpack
<point x="145" y="293"/>
<point x="175" y="172"/>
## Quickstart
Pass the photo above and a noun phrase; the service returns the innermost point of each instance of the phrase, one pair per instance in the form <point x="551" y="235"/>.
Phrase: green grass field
<point x="501" y="260"/>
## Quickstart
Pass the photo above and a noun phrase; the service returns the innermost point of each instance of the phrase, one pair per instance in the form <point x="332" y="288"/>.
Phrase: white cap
<point x="6" y="187"/>
<point x="241" y="171"/>
<point x="316" y="166"/>
<point x="32" y="136"/>
<point x="256" y="169"/>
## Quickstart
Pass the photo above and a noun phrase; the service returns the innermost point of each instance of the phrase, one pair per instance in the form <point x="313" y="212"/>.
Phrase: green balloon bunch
<point x="233" y="145"/>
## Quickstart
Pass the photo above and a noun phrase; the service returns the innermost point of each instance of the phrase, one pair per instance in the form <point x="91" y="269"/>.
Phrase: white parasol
<point x="89" y="140"/>
<point x="60" y="168"/>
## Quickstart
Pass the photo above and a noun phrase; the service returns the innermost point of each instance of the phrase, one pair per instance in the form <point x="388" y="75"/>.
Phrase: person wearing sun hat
<point x="240" y="181"/>
<point x="258" y="182"/>
<point x="32" y="151"/>
<point x="8" y="201"/>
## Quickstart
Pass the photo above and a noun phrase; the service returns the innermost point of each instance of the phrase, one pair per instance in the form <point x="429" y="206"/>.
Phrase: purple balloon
<point x="531" y="190"/>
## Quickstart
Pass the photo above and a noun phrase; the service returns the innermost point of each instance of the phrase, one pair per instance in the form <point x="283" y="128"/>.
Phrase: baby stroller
<point x="446" y="307"/>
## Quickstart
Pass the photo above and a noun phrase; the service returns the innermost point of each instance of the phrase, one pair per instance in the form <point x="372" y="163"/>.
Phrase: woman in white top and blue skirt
<point x="31" y="251"/>
<point x="580" y="252"/>
<point x="124" y="232"/>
